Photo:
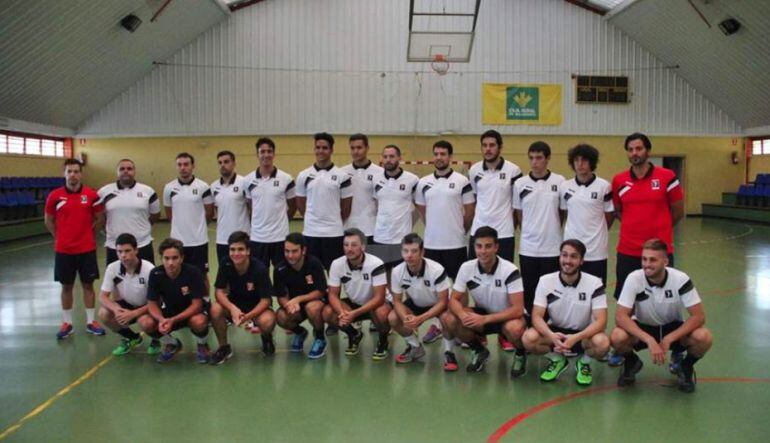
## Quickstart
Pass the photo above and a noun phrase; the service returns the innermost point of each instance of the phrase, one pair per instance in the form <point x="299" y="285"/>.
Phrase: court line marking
<point x="46" y="404"/>
<point x="20" y="248"/>
<point x="512" y="423"/>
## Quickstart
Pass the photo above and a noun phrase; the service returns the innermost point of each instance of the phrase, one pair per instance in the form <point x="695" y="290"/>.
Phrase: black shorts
<point x="267" y="252"/>
<point x="326" y="249"/>
<point x="66" y="266"/>
<point x="354" y="305"/>
<point x="532" y="268"/>
<point x="126" y="305"/>
<point x="198" y="256"/>
<point x="577" y="348"/>
<point x="627" y="264"/>
<point x="416" y="310"/>
<point x="145" y="253"/>
<point x="223" y="251"/>
<point x="183" y="324"/>
<point x="596" y="268"/>
<point x="450" y="259"/>
<point x="507" y="246"/>
<point x="489" y="328"/>
<point x="658" y="332"/>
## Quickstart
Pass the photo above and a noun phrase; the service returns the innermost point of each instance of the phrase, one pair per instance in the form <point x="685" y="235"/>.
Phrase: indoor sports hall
<point x="145" y="80"/>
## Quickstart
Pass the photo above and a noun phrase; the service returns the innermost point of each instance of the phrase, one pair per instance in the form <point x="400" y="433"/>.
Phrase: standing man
<point x="271" y="192"/>
<point x="230" y="202"/>
<point x="126" y="280"/>
<point x="189" y="207"/>
<point x="587" y="201"/>
<point x="129" y="207"/>
<point x="536" y="208"/>
<point x="72" y="216"/>
<point x="324" y="198"/>
<point x="656" y="295"/>
<point x="446" y="203"/>
<point x="364" y="175"/>
<point x="576" y="306"/>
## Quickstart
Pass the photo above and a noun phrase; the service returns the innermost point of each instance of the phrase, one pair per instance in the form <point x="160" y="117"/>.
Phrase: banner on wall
<point x="520" y="104"/>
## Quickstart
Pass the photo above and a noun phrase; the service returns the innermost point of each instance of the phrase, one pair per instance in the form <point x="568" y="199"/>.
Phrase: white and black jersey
<point x="187" y="201"/>
<point x="358" y="281"/>
<point x="570" y="306"/>
<point x="538" y="200"/>
<point x="443" y="198"/>
<point x="269" y="209"/>
<point x="127" y="211"/>
<point x="395" y="196"/>
<point x="323" y="189"/>
<point x="586" y="205"/>
<point x="658" y="305"/>
<point x="232" y="207"/>
<point x="422" y="288"/>
<point x="363" y="210"/>
<point x="489" y="291"/>
<point x="494" y="196"/>
<point x="132" y="288"/>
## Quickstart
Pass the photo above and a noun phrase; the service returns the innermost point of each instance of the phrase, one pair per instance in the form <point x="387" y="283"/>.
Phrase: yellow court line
<point x="43" y="406"/>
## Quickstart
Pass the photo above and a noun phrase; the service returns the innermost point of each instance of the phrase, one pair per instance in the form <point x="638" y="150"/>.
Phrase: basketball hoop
<point x="439" y="64"/>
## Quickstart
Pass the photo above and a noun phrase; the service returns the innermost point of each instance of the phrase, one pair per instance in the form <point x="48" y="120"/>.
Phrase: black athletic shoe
<point x="478" y="360"/>
<point x="381" y="351"/>
<point x="332" y="331"/>
<point x="686" y="379"/>
<point x="631" y="366"/>
<point x="268" y="346"/>
<point x="353" y="343"/>
<point x="221" y="355"/>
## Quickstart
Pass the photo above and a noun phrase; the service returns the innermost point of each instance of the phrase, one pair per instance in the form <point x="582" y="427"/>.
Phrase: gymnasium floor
<point x="74" y="390"/>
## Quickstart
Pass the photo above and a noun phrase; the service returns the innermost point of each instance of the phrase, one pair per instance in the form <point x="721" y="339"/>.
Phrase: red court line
<point x="510" y="424"/>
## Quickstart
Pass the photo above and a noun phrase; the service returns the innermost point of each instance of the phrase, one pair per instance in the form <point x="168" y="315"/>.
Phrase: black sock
<point x="630" y="356"/>
<point x="202" y="334"/>
<point x="521" y="351"/>
<point x="128" y="333"/>
<point x="350" y="330"/>
<point x="383" y="337"/>
<point x="299" y="330"/>
<point x="690" y="360"/>
<point x="476" y="345"/>
<point x="267" y="337"/>
<point x="155" y="336"/>
<point x="319" y="333"/>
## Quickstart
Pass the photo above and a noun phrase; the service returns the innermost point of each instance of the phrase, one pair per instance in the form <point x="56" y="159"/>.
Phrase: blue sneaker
<point x="676" y="362"/>
<point x="615" y="360"/>
<point x="169" y="351"/>
<point x="95" y="328"/>
<point x="298" y="342"/>
<point x="65" y="331"/>
<point x="318" y="349"/>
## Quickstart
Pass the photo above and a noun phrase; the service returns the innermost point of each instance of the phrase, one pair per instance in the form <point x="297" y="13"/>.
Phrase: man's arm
<point x="438" y="308"/>
<point x="106" y="301"/>
<point x="301" y="204"/>
<point x="346" y="204"/>
<point x="155" y="311"/>
<point x="458" y="302"/>
<point x="539" y="323"/>
<point x="261" y="306"/>
<point x="98" y="222"/>
<point x="223" y="299"/>
<point x="169" y="213"/>
<point x="469" y="210"/>
<point x="195" y="308"/>
<point x="334" y="298"/>
<point x="623" y="321"/>
<point x="516" y="218"/>
<point x="516" y="310"/>
<point x="50" y="224"/>
<point x="598" y="325"/>
<point x="677" y="211"/>
<point x="421" y="211"/>
<point x="609" y="217"/>
<point x="375" y="302"/>
<point x="209" y="208"/>
<point x="291" y="207"/>
<point x="696" y="319"/>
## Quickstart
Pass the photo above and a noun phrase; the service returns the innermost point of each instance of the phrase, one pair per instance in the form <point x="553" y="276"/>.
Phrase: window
<point x="37" y="145"/>
<point x="760" y="146"/>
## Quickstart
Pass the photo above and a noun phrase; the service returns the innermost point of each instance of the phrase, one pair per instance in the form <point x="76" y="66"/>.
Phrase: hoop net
<point x="421" y="168"/>
<point x="439" y="64"/>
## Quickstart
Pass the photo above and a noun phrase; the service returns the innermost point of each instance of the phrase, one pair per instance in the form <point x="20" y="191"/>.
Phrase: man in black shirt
<point x="300" y="285"/>
<point x="175" y="298"/>
<point x="243" y="295"/>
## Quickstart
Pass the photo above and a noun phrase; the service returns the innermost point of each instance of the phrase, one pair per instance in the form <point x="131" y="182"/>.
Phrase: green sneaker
<point x="154" y="347"/>
<point x="583" y="377"/>
<point x="554" y="369"/>
<point x="126" y="345"/>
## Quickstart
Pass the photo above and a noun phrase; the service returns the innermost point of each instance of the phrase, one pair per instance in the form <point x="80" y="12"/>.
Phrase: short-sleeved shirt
<point x="187" y="202"/>
<point x="645" y="205"/>
<point x="538" y="200"/>
<point x="658" y="305"/>
<point x="586" y="205"/>
<point x="232" y="207"/>
<point x="489" y="291"/>
<point x="128" y="210"/>
<point x="289" y="282"/>
<point x="324" y="189"/>
<point x="494" y="196"/>
<point x="245" y="290"/>
<point x="363" y="210"/>
<point x="175" y="295"/>
<point x="74" y="214"/>
<point x="131" y="288"/>
<point x="394" y="197"/>
<point x="358" y="281"/>
<point x="570" y="306"/>
<point x="422" y="288"/>
<point x="444" y="198"/>
<point x="268" y="195"/>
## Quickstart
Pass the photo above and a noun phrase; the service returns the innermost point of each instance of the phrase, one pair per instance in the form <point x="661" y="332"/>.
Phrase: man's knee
<point x="530" y="338"/>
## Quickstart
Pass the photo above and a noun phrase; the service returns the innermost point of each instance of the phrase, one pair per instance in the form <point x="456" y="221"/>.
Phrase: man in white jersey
<point x="324" y="198"/>
<point x="126" y="281"/>
<point x="494" y="285"/>
<point x="363" y="175"/>
<point x="536" y="210"/>
<point x="656" y="295"/>
<point x="190" y="206"/>
<point x="587" y="201"/>
<point x="271" y="192"/>
<point x="575" y="303"/>
<point x="363" y="276"/>
<point x="446" y="203"/>
<point x="420" y="290"/>
<point x="130" y="207"/>
<point x="230" y="203"/>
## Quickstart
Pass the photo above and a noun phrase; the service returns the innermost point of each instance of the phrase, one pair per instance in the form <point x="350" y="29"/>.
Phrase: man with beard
<point x="363" y="175"/>
<point x="230" y="203"/>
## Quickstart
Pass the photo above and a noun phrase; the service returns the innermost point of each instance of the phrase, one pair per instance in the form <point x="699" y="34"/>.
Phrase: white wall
<point x="299" y="66"/>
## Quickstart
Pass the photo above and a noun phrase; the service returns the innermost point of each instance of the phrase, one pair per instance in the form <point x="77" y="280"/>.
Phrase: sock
<point x="631" y="356"/>
<point x="204" y="338"/>
<point x="585" y="359"/>
<point x="383" y="337"/>
<point x="476" y="345"/>
<point x="168" y="339"/>
<point x="319" y="333"/>
<point x="412" y="341"/>
<point x="66" y="315"/>
<point x="155" y="336"/>
<point x="90" y="315"/>
<point x="128" y="333"/>
<point x="266" y="338"/>
<point x="554" y="356"/>
<point x="690" y="360"/>
<point x="350" y="330"/>
<point x="299" y="330"/>
<point x="449" y="344"/>
<point x="521" y="350"/>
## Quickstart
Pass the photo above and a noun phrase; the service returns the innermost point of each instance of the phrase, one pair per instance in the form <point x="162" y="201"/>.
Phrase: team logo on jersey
<point x="195" y="192"/>
<point x="451" y="186"/>
<point x="554" y="188"/>
<point x="369" y="177"/>
<point x="402" y="187"/>
<point x="249" y="286"/>
<point x="235" y="189"/>
<point x="427" y="282"/>
<point x="502" y="176"/>
<point x="139" y="194"/>
<point x="594" y="195"/>
<point x="582" y="296"/>
<point x="276" y="183"/>
<point x="185" y="290"/>
<point x="142" y="281"/>
<point x="84" y="199"/>
<point x="309" y="279"/>
<point x="669" y="293"/>
<point x="498" y="283"/>
<point x="334" y="178"/>
<point x="655" y="184"/>
<point x="366" y="276"/>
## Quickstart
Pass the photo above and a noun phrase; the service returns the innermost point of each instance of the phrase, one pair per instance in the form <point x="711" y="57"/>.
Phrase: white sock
<point x="66" y="315"/>
<point x="167" y="339"/>
<point x="412" y="341"/>
<point x="585" y="359"/>
<point x="554" y="356"/>
<point x="203" y="340"/>
<point x="90" y="315"/>
<point x="449" y="344"/>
